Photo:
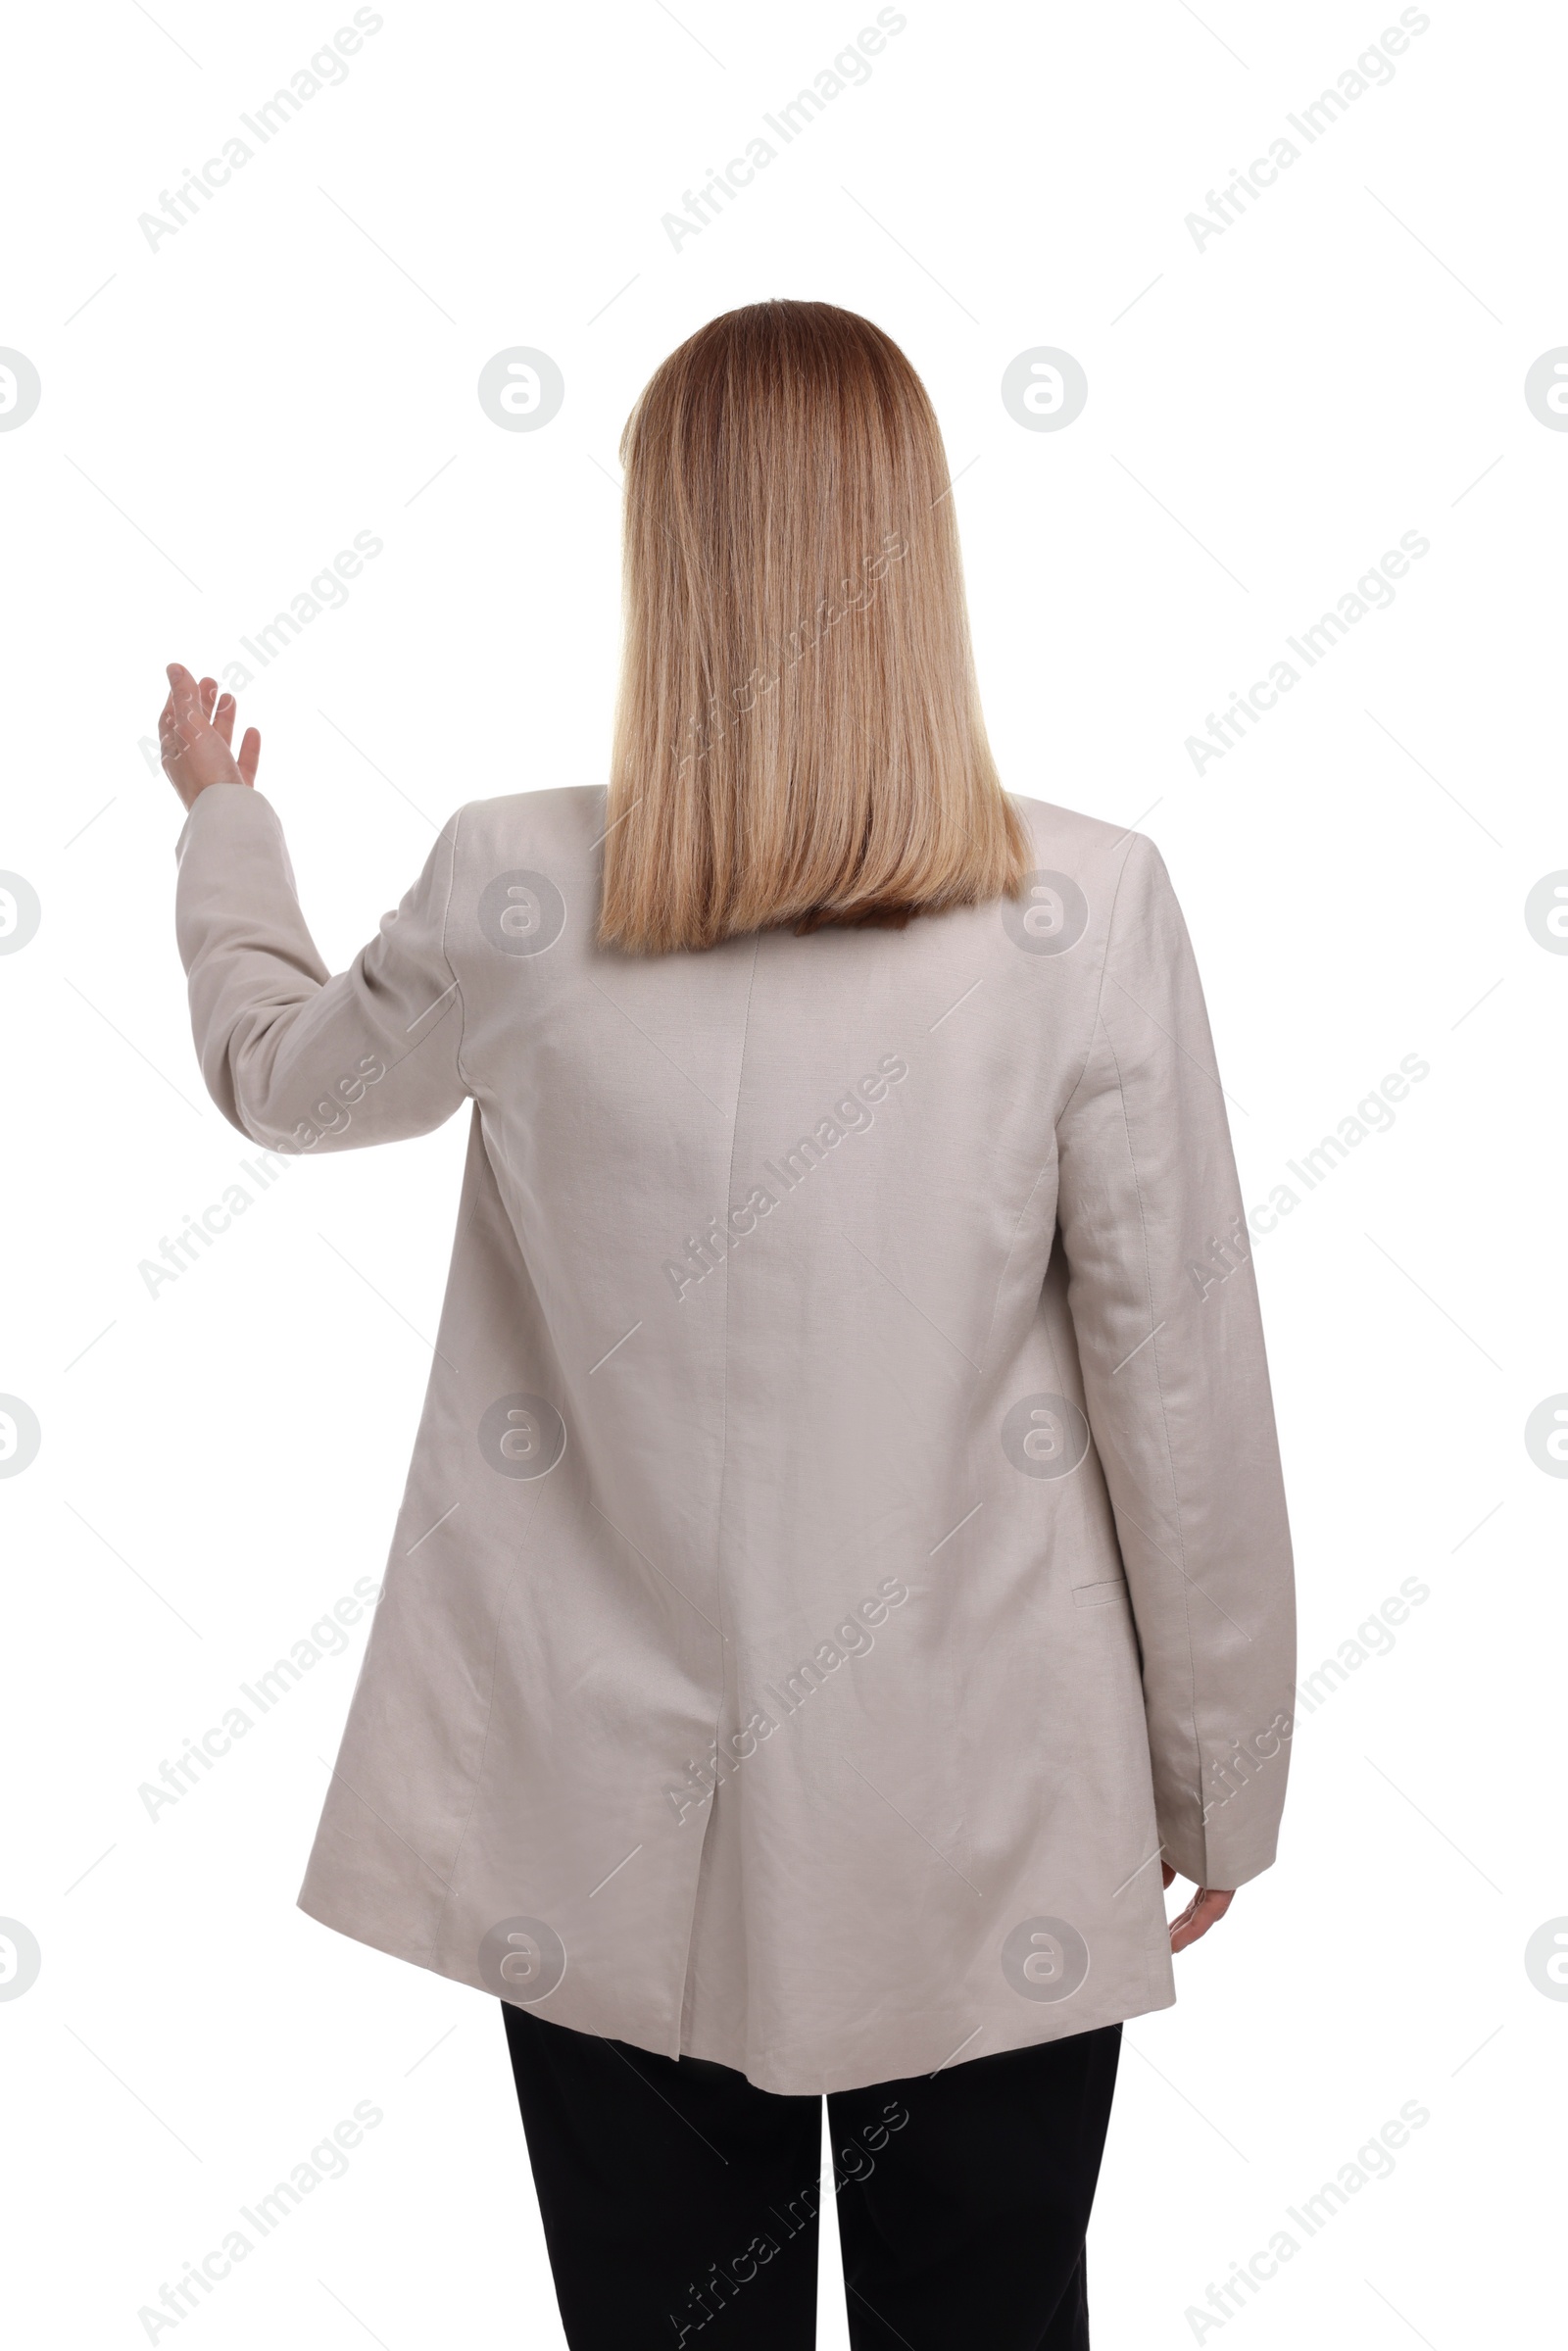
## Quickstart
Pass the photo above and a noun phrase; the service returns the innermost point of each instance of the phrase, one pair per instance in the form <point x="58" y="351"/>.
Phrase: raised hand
<point x="195" y="729"/>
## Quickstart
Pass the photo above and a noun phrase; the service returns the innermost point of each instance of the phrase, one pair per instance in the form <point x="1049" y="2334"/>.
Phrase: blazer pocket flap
<point x="1099" y="1596"/>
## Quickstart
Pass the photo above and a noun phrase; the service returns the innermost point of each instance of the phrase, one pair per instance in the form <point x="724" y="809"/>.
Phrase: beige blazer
<point x="844" y="1546"/>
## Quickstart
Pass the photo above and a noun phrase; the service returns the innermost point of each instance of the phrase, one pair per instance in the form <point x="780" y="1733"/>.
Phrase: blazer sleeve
<point x="299" y="1059"/>
<point x="1164" y="1306"/>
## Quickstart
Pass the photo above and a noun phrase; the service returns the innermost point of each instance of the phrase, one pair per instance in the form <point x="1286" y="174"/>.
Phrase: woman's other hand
<point x="195" y="728"/>
<point x="1209" y="1905"/>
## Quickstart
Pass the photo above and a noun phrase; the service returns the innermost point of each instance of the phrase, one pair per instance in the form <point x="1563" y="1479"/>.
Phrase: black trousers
<point x="680" y="2202"/>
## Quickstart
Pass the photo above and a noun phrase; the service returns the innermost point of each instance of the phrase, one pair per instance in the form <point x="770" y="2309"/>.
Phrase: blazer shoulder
<point x="1114" y="866"/>
<point x="554" y="828"/>
<point x="1068" y="839"/>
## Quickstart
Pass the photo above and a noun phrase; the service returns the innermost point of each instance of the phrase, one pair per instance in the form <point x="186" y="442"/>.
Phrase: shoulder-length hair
<point x="798" y="735"/>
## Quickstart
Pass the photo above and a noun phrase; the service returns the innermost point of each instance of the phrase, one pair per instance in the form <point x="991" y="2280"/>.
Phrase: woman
<point x="844" y="1566"/>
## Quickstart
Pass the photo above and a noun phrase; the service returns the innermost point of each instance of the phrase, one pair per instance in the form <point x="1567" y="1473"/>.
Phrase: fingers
<point x="186" y="716"/>
<point x="183" y="692"/>
<point x="196" y="733"/>
<point x="189" y="701"/>
<point x="1205" y="1909"/>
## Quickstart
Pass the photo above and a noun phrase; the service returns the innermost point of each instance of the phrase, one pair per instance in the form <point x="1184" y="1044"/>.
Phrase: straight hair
<point x="798" y="737"/>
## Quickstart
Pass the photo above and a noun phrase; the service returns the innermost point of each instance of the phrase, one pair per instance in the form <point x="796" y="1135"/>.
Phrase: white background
<point x="1266" y="414"/>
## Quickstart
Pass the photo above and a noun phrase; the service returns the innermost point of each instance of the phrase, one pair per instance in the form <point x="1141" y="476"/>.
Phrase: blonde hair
<point x="798" y="736"/>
